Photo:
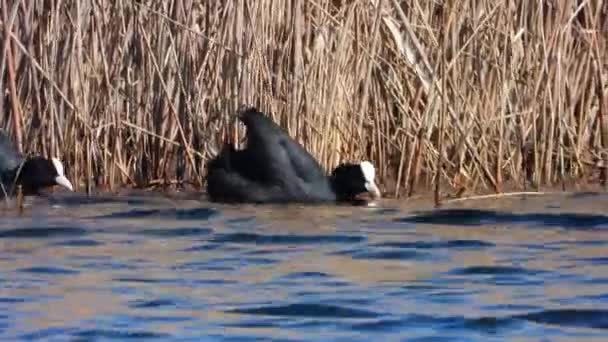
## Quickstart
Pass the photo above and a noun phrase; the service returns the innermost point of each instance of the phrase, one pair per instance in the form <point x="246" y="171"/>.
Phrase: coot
<point x="33" y="173"/>
<point x="274" y="168"/>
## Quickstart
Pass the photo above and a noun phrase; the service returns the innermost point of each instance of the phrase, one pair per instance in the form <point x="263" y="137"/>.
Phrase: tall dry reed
<point x="472" y="93"/>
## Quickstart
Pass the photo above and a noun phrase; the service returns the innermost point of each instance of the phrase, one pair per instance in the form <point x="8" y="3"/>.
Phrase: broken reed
<point x="139" y="93"/>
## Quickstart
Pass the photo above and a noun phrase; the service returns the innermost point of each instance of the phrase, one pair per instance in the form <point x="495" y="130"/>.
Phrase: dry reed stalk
<point x="121" y="89"/>
<point x="499" y="195"/>
<point x="7" y="56"/>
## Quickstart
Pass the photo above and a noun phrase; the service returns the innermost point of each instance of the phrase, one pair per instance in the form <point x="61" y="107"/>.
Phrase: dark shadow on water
<point x="266" y="323"/>
<point x="108" y="265"/>
<point x="413" y="250"/>
<point x="48" y="270"/>
<point x="534" y="247"/>
<point x="152" y="304"/>
<point x="511" y="307"/>
<point x="495" y="270"/>
<point x="254" y="338"/>
<point x="565" y="244"/>
<point x="306" y="275"/>
<point x="209" y="247"/>
<point x="308" y="310"/>
<point x="585" y="194"/>
<point x="456" y="244"/>
<point x="598" y="298"/>
<point x="388" y="254"/>
<point x="81" y="199"/>
<point x="42" y="232"/>
<point x="252" y="238"/>
<point x="596" y="319"/>
<point x="594" y="281"/>
<point x="78" y="243"/>
<point x="270" y="251"/>
<point x="387" y="211"/>
<point x="478" y="217"/>
<point x="161" y="319"/>
<point x="214" y="282"/>
<point x="224" y="264"/>
<point x="239" y="221"/>
<point x="242" y="261"/>
<point x="598" y="261"/>
<point x="148" y="280"/>
<point x="437" y="338"/>
<point x="177" y="214"/>
<point x="45" y="334"/>
<point x="119" y="335"/>
<point x="175" y="232"/>
<point x="202" y="266"/>
<point x="498" y="276"/>
<point x="488" y="325"/>
<point x="12" y="300"/>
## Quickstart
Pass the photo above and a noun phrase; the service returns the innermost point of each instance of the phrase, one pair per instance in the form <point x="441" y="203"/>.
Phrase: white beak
<point x="61" y="180"/>
<point x="373" y="189"/>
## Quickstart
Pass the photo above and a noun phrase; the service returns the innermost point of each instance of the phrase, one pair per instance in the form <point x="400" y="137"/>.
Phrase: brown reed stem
<point x="116" y="88"/>
<point x="14" y="98"/>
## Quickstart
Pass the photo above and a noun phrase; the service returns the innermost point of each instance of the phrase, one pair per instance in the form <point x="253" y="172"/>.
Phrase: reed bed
<point x="470" y="94"/>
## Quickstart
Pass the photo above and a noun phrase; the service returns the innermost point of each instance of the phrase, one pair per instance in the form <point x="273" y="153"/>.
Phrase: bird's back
<point x="229" y="180"/>
<point x="283" y="160"/>
<point x="273" y="168"/>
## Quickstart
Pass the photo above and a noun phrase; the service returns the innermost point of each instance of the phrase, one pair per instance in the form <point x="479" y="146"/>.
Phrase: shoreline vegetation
<point x="463" y="97"/>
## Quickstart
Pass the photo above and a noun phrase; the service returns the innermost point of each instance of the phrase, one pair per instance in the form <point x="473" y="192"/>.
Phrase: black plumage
<point x="274" y="168"/>
<point x="33" y="173"/>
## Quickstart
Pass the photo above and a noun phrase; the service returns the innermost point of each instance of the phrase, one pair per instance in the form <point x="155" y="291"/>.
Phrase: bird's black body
<point x="274" y="168"/>
<point x="32" y="173"/>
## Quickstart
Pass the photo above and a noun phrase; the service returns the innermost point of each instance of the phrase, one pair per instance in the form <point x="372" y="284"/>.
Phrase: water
<point x="150" y="267"/>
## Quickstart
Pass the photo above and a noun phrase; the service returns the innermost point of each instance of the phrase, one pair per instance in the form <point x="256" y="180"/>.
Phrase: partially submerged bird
<point x="32" y="173"/>
<point x="274" y="168"/>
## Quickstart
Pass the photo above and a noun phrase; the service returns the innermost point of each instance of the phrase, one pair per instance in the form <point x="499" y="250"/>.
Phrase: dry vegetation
<point x="475" y="93"/>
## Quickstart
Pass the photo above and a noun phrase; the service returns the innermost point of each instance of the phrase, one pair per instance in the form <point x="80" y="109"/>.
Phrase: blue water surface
<point x="145" y="267"/>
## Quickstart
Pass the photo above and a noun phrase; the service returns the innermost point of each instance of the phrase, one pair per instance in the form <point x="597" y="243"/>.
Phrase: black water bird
<point x="33" y="173"/>
<point x="273" y="168"/>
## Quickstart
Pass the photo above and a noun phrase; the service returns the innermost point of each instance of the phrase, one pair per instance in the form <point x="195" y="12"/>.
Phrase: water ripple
<point x="198" y="266"/>
<point x="594" y="261"/>
<point x="390" y="254"/>
<point x="176" y="232"/>
<point x="597" y="319"/>
<point x="478" y="217"/>
<point x="48" y="270"/>
<point x="76" y="199"/>
<point x="42" y="232"/>
<point x="285" y="239"/>
<point x="457" y="244"/>
<point x="175" y="214"/>
<point x="12" y="300"/>
<point x="495" y="270"/>
<point x="147" y="280"/>
<point x="119" y="334"/>
<point x="155" y="303"/>
<point x="205" y="247"/>
<point x="108" y="265"/>
<point x="271" y="273"/>
<point x="308" y="310"/>
<point x="488" y="325"/>
<point x="78" y="243"/>
<point x="306" y="275"/>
